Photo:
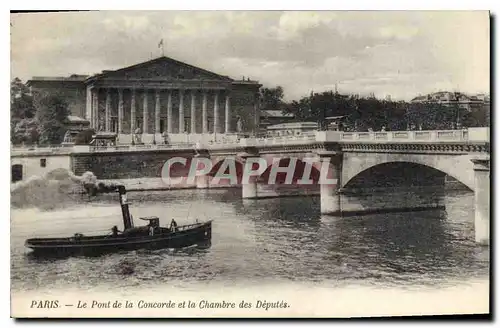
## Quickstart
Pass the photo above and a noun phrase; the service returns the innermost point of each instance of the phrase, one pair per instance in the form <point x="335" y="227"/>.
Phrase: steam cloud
<point x="56" y="188"/>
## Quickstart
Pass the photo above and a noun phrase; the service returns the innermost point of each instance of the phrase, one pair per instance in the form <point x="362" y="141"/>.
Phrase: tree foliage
<point x="22" y="112"/>
<point x="25" y="132"/>
<point x="365" y="113"/>
<point x="272" y="98"/>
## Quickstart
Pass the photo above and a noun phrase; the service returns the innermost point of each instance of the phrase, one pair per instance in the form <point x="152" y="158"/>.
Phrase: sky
<point x="400" y="54"/>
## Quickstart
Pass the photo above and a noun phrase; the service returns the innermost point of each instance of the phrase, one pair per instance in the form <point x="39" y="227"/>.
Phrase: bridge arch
<point x="224" y="166"/>
<point x="298" y="174"/>
<point x="458" y="167"/>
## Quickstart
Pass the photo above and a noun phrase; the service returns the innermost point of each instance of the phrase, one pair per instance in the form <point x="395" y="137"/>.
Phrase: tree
<point x="20" y="100"/>
<point x="25" y="132"/>
<point x="21" y="108"/>
<point x="52" y="113"/>
<point x="318" y="106"/>
<point x="272" y="98"/>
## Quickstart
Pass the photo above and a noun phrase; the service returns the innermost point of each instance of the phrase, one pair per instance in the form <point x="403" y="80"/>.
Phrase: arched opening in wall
<point x="16" y="172"/>
<point x="226" y="172"/>
<point x="394" y="176"/>
<point x="302" y="180"/>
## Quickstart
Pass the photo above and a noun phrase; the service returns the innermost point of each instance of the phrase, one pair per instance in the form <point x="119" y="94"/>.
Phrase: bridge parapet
<point x="35" y="151"/>
<point x="474" y="135"/>
<point x="437" y="136"/>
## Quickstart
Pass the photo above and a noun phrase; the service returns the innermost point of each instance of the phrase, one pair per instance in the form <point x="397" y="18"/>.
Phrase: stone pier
<point x="482" y="200"/>
<point x="249" y="188"/>
<point x="202" y="181"/>
<point x="331" y="168"/>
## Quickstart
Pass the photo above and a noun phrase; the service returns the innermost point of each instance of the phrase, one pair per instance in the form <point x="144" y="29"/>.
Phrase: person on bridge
<point x="165" y="137"/>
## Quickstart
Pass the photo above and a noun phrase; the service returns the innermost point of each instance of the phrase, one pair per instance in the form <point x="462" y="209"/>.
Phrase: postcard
<point x="250" y="164"/>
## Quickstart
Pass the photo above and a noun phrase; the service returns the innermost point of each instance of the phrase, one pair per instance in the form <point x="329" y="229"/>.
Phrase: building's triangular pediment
<point x="162" y="68"/>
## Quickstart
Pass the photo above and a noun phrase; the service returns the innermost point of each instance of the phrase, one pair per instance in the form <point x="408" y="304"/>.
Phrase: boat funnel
<point x="127" y="219"/>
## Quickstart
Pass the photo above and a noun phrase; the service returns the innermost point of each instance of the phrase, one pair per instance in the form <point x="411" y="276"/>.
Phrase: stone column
<point x="249" y="188"/>
<point x="133" y="115"/>
<point x="120" y="111"/>
<point x="193" y="111"/>
<point x="181" y="111"/>
<point x="108" y="110"/>
<point x="170" y="126"/>
<point x="228" y="114"/>
<point x="145" y="113"/>
<point x="88" y="105"/>
<point x="202" y="181"/>
<point x="216" y="111"/>
<point x="157" y="111"/>
<point x="482" y="200"/>
<point x="204" y="113"/>
<point x="330" y="173"/>
<point x="95" y="108"/>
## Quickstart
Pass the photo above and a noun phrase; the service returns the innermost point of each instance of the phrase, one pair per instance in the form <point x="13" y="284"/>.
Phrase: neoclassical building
<point x="159" y="95"/>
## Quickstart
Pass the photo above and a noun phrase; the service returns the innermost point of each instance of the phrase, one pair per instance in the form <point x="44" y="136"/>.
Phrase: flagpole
<point x="162" y="47"/>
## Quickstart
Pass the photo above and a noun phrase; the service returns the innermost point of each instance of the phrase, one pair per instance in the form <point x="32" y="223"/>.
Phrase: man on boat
<point x="173" y="226"/>
<point x="115" y="231"/>
<point x="154" y="226"/>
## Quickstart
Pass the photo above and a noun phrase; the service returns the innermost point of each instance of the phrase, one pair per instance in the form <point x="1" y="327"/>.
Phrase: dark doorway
<point x="17" y="172"/>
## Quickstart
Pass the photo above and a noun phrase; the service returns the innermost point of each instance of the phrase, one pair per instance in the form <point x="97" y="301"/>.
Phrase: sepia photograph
<point x="250" y="164"/>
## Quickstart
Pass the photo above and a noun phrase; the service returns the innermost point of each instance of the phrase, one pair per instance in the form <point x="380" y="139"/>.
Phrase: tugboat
<point x="150" y="236"/>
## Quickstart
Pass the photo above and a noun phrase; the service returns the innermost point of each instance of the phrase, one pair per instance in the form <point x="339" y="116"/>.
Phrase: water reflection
<point x="259" y="241"/>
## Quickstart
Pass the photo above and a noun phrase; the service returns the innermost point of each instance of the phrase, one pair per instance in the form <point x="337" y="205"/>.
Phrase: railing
<point x="283" y="140"/>
<point x="57" y="149"/>
<point x="135" y="147"/>
<point x="190" y="226"/>
<point x="403" y="136"/>
<point x="469" y="135"/>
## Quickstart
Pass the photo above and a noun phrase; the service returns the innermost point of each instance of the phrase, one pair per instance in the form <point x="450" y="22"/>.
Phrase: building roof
<point x="156" y="61"/>
<point x="333" y="118"/>
<point x="419" y="98"/>
<point x="71" y="78"/>
<point x="449" y="96"/>
<point x="157" y="68"/>
<point x="76" y="119"/>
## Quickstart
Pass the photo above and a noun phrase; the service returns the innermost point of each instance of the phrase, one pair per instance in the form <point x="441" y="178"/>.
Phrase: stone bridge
<point x="355" y="160"/>
<point x="360" y="160"/>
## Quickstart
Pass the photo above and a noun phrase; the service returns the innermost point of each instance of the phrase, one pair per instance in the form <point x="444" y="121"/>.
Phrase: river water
<point x="268" y="241"/>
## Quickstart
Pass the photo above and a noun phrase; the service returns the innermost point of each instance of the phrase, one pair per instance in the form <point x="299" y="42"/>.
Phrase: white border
<point x="182" y="5"/>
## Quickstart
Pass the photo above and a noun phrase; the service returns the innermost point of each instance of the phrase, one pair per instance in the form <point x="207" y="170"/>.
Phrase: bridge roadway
<point x="461" y="154"/>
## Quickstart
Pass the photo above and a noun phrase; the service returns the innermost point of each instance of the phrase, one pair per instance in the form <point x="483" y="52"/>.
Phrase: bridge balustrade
<point x="471" y="134"/>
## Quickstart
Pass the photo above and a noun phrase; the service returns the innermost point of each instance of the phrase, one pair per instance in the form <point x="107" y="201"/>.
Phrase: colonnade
<point x="93" y="110"/>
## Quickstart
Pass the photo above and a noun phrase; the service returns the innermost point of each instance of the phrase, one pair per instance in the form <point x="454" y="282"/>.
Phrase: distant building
<point x="446" y="98"/>
<point x="336" y="123"/>
<point x="273" y="117"/>
<point x="291" y="129"/>
<point x="74" y="125"/>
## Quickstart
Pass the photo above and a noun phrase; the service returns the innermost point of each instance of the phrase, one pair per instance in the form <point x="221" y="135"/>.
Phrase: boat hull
<point x="196" y="235"/>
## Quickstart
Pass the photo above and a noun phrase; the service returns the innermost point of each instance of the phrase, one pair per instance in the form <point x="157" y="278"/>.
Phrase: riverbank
<point x="147" y="184"/>
<point x="158" y="184"/>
